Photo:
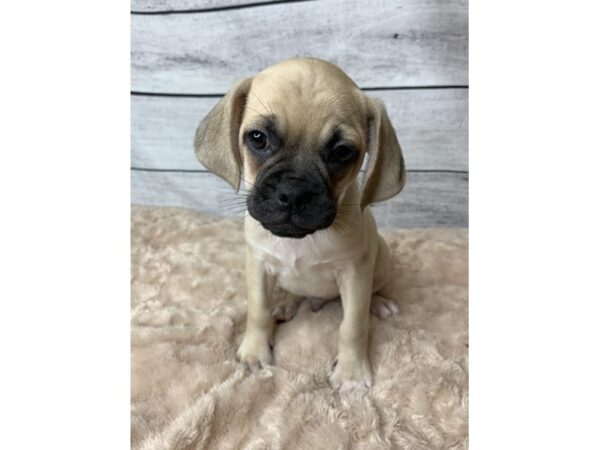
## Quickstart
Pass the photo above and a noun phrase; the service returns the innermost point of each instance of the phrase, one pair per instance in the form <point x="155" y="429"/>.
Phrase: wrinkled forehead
<point x="306" y="106"/>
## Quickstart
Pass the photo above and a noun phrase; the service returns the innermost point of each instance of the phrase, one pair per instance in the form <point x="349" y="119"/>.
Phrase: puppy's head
<point x="299" y="131"/>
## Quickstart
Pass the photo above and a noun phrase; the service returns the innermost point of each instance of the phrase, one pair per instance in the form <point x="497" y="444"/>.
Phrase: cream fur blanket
<point x="188" y="317"/>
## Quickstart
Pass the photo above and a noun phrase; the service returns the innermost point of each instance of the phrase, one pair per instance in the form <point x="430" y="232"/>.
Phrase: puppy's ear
<point x="216" y="143"/>
<point x="385" y="174"/>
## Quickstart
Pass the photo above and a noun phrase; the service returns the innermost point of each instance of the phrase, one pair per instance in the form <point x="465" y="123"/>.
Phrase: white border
<point x="65" y="225"/>
<point x="64" y="249"/>
<point x="534" y="225"/>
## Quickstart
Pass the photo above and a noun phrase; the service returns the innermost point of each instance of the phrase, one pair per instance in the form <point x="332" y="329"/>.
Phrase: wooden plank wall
<point x="411" y="54"/>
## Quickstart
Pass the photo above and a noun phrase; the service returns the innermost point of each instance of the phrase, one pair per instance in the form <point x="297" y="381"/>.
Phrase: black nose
<point x="283" y="198"/>
<point x="294" y="193"/>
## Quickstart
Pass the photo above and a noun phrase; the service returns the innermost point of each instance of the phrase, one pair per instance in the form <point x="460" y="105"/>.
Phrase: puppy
<point x="297" y="134"/>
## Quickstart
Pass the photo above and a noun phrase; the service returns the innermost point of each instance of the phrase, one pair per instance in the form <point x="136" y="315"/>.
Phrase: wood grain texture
<point x="186" y="5"/>
<point x="432" y="126"/>
<point x="428" y="200"/>
<point x="379" y="43"/>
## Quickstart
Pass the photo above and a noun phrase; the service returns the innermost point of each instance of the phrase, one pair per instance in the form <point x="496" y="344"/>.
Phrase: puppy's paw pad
<point x="255" y="354"/>
<point x="383" y="308"/>
<point x="317" y="303"/>
<point x="348" y="376"/>
<point x="285" y="312"/>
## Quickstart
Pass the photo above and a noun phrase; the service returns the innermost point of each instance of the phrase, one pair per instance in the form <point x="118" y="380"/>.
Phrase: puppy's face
<point x="299" y="132"/>
<point x="303" y="138"/>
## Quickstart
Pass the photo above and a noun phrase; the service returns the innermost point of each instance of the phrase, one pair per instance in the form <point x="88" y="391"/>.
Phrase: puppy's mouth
<point x="287" y="230"/>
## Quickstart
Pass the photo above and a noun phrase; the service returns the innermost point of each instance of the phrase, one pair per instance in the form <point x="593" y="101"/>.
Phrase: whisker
<point x="233" y="206"/>
<point x="231" y="215"/>
<point x="234" y="200"/>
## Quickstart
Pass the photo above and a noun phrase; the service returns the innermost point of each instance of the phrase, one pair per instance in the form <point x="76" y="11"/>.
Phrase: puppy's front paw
<point x="255" y="352"/>
<point x="348" y="375"/>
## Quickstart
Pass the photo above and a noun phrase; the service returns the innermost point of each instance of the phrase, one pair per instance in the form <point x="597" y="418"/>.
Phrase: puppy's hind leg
<point x="317" y="303"/>
<point x="286" y="309"/>
<point x="383" y="307"/>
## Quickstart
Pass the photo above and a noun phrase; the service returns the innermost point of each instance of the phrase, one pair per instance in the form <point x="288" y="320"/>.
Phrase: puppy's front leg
<point x="255" y="350"/>
<point x="353" y="368"/>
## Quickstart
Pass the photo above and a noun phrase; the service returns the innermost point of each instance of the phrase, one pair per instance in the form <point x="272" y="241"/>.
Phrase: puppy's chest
<point x="302" y="271"/>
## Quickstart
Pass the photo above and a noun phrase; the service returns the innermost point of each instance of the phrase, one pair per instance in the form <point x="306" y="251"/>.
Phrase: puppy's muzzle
<point x="292" y="205"/>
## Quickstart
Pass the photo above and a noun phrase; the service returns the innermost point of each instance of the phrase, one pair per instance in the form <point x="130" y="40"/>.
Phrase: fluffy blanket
<point x="188" y="318"/>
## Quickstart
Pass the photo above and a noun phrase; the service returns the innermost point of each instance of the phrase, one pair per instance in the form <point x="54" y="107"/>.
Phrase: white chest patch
<point x="307" y="267"/>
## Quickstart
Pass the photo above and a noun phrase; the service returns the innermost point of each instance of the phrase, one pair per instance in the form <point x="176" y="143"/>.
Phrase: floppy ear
<point x="385" y="174"/>
<point x="216" y="143"/>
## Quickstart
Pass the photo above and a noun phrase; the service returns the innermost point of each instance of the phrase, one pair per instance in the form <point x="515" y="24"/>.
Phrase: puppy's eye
<point x="342" y="154"/>
<point x="257" y="140"/>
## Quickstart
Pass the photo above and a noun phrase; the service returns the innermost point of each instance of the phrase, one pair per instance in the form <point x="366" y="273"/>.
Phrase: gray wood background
<point x="411" y="54"/>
